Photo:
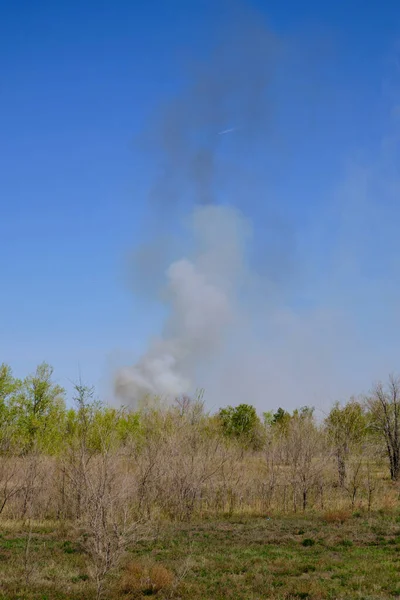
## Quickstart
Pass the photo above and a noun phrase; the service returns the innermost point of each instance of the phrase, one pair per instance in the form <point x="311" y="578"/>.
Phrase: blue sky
<point x="79" y="80"/>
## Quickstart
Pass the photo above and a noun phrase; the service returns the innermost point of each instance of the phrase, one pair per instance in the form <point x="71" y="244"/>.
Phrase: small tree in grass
<point x="346" y="428"/>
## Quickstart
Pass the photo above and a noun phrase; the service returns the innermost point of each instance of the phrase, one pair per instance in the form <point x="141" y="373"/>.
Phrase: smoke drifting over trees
<point x="255" y="307"/>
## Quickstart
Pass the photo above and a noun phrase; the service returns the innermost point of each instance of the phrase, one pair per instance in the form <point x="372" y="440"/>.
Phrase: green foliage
<point x="9" y="389"/>
<point x="128" y="427"/>
<point x="239" y="420"/>
<point x="9" y="386"/>
<point x="33" y="417"/>
<point x="347" y="425"/>
<point x="268" y="418"/>
<point x="252" y="559"/>
<point x="308" y="542"/>
<point x="281" y="418"/>
<point x="242" y="423"/>
<point x="97" y="428"/>
<point x="36" y="409"/>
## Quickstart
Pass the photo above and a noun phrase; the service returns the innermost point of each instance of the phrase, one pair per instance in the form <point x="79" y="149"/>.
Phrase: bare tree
<point x="108" y="523"/>
<point x="306" y="455"/>
<point x="78" y="454"/>
<point x="346" y="430"/>
<point x="11" y="483"/>
<point x="384" y="404"/>
<point x="354" y="477"/>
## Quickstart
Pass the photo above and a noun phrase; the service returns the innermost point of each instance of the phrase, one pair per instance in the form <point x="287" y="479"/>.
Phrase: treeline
<point x="179" y="461"/>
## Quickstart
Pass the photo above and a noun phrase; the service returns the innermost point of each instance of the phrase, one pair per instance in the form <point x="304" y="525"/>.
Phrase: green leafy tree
<point x="268" y="418"/>
<point x="9" y="386"/>
<point x="39" y="410"/>
<point x="281" y="420"/>
<point x="9" y="389"/>
<point x="242" y="423"/>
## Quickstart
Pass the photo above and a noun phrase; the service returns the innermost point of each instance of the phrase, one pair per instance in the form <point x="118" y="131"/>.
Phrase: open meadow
<point x="336" y="555"/>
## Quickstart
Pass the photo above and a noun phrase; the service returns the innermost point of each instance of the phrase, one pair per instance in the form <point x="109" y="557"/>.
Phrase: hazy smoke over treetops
<point x="258" y="310"/>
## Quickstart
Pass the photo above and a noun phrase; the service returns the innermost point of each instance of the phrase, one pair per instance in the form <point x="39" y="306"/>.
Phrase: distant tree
<point x="8" y="384"/>
<point x="242" y="422"/>
<point x="306" y="458"/>
<point x="281" y="420"/>
<point x="80" y="446"/>
<point x="384" y="414"/>
<point x="304" y="412"/>
<point x="280" y="415"/>
<point x="268" y="418"/>
<point x="9" y="389"/>
<point x="39" y="408"/>
<point x="128" y="427"/>
<point x="86" y="408"/>
<point x="346" y="428"/>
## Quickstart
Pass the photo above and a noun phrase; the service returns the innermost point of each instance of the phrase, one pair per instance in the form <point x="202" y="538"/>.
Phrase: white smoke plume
<point x="263" y="312"/>
<point x="202" y="293"/>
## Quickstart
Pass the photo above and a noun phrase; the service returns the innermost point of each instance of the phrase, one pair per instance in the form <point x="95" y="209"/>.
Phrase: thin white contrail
<point x="227" y="131"/>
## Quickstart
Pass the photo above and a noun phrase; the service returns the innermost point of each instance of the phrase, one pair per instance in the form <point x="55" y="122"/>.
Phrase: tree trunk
<point x="341" y="469"/>
<point x="395" y="465"/>
<point x="304" y="499"/>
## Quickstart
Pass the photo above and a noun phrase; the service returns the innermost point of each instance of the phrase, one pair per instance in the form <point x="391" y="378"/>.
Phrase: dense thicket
<point x="178" y="461"/>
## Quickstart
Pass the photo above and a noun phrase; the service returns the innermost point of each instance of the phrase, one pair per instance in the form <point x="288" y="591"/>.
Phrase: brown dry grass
<point x="144" y="578"/>
<point x="340" y="515"/>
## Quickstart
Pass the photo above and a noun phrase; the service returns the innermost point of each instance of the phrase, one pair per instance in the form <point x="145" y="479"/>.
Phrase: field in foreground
<point x="251" y="558"/>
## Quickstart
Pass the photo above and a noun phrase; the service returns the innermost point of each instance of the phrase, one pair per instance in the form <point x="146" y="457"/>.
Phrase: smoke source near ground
<point x="202" y="294"/>
<point x="251" y="314"/>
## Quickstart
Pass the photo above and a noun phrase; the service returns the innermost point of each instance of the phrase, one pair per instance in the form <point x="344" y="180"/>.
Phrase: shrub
<point x="146" y="579"/>
<point x="337" y="516"/>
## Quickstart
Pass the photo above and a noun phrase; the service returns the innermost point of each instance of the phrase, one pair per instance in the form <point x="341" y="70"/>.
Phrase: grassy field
<point x="335" y="556"/>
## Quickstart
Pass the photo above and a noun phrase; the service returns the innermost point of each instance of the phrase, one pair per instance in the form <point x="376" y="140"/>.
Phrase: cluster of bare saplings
<point x="180" y="462"/>
<point x="115" y="472"/>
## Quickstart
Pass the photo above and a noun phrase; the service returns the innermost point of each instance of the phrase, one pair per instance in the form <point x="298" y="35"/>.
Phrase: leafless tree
<point x="384" y="404"/>
<point x="108" y="523"/>
<point x="306" y="456"/>
<point x="354" y="478"/>
<point x="346" y="429"/>
<point x="11" y="482"/>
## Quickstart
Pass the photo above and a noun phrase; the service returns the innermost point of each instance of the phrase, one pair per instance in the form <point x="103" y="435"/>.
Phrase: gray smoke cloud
<point x="227" y="93"/>
<point x="201" y="292"/>
<point x="259" y="312"/>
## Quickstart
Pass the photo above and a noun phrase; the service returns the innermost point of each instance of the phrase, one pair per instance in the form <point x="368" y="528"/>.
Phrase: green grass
<point x="249" y="559"/>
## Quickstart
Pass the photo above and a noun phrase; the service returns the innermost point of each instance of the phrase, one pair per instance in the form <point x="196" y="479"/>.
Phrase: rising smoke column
<point x="202" y="293"/>
<point x="202" y="290"/>
<point x="256" y="313"/>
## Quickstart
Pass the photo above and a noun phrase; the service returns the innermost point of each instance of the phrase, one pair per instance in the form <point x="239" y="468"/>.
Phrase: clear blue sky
<point x="78" y="81"/>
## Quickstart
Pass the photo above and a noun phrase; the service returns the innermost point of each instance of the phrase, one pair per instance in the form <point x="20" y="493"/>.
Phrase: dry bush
<point x="11" y="482"/>
<point x="176" y="477"/>
<point x="186" y="474"/>
<point x="179" y="467"/>
<point x="307" y="456"/>
<point x="337" y="516"/>
<point x="107" y="522"/>
<point x="27" y="481"/>
<point x="145" y="578"/>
